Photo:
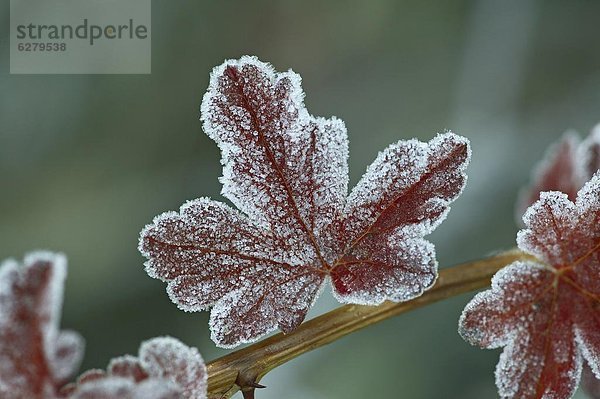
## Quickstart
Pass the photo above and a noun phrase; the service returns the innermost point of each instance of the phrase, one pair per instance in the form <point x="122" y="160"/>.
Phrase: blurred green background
<point x="86" y="161"/>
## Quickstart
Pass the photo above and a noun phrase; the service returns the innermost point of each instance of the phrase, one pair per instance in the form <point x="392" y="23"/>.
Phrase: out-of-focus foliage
<point x="86" y="161"/>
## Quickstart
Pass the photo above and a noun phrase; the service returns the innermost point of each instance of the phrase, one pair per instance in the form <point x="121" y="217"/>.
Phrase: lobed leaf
<point x="286" y="171"/>
<point x="566" y="166"/>
<point x="546" y="313"/>
<point x="164" y="369"/>
<point x="35" y="357"/>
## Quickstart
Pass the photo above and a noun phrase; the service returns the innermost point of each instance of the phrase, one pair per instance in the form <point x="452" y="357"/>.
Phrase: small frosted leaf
<point x="35" y="357"/>
<point x="169" y="359"/>
<point x="287" y="172"/>
<point x="566" y="166"/>
<point x="545" y="314"/>
<point x="164" y="369"/>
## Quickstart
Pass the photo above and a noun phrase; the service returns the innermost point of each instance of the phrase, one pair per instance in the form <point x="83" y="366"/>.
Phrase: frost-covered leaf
<point x="566" y="167"/>
<point x="164" y="369"/>
<point x="35" y="357"/>
<point x="286" y="171"/>
<point x="545" y="313"/>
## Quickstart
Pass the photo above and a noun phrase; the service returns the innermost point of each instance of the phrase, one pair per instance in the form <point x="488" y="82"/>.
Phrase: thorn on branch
<point x="247" y="385"/>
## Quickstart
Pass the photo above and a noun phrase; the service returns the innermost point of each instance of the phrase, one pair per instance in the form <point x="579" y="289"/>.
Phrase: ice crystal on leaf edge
<point x="262" y="267"/>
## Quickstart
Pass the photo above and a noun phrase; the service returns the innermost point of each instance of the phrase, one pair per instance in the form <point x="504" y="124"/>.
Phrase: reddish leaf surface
<point x="546" y="314"/>
<point x="566" y="167"/>
<point x="164" y="369"/>
<point x="35" y="357"/>
<point x="286" y="171"/>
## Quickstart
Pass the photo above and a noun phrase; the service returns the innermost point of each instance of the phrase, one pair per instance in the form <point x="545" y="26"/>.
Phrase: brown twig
<point x="243" y="368"/>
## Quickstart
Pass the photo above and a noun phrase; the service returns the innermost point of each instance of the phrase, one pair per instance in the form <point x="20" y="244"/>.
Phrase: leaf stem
<point x="243" y="368"/>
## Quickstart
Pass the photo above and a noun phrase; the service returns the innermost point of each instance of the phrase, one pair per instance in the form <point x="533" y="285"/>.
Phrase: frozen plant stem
<point x="243" y="368"/>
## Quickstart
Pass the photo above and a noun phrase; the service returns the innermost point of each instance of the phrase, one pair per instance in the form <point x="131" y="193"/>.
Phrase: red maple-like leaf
<point x="566" y="167"/>
<point x="164" y="369"/>
<point x="286" y="171"/>
<point x="36" y="359"/>
<point x="546" y="313"/>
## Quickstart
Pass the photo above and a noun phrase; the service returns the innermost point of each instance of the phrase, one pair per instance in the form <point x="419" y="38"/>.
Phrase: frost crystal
<point x="286" y="171"/>
<point x="545" y="313"/>
<point x="35" y="357"/>
<point x="164" y="369"/>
